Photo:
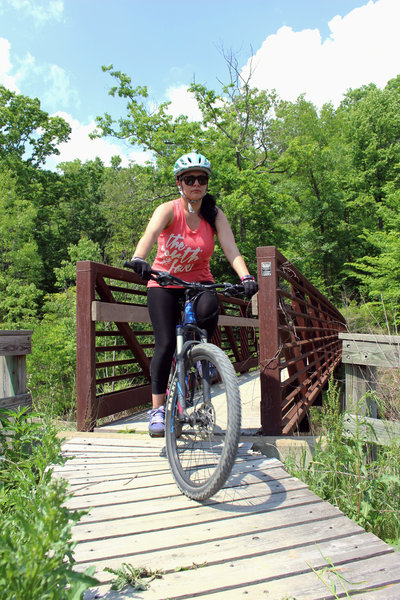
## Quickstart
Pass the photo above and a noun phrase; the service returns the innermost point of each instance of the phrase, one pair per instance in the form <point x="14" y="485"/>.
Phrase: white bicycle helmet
<point x="191" y="161"/>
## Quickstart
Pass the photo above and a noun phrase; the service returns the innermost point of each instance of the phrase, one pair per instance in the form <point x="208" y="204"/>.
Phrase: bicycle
<point x="203" y="410"/>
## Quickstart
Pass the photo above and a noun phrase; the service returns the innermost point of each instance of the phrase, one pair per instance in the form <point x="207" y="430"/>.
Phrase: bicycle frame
<point x="202" y="422"/>
<point x="186" y="326"/>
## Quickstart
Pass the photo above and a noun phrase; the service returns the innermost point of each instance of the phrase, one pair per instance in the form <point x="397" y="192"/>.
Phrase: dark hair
<point x="209" y="210"/>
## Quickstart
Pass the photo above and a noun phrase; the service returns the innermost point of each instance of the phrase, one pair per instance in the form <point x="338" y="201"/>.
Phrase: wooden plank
<point x="215" y="542"/>
<point x="227" y="320"/>
<point x="12" y="376"/>
<point x="377" y="431"/>
<point x="239" y="569"/>
<point x="139" y="494"/>
<point x="15" y="343"/>
<point x="123" y="313"/>
<point x="269" y="342"/>
<point x="304" y="586"/>
<point x="212" y="522"/>
<point x="141" y="479"/>
<point x="370" y="337"/>
<point x="359" y="380"/>
<point x="260" y="535"/>
<point x="15" y="402"/>
<point x="382" y="352"/>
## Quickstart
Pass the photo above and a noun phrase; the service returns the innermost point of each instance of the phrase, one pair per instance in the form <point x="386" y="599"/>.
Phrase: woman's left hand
<point x="250" y="286"/>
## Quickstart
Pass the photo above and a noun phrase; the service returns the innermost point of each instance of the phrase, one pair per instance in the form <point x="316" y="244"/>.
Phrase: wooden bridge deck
<point x="257" y="538"/>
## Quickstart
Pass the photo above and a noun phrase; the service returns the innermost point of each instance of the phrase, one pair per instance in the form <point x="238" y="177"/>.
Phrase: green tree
<point x="319" y="239"/>
<point x="230" y="127"/>
<point x="372" y="130"/>
<point x="26" y="132"/>
<point x="52" y="363"/>
<point x="130" y="197"/>
<point x="20" y="262"/>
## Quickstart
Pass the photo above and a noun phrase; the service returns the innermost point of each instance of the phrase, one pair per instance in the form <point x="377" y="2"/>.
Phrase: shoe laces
<point x="157" y="415"/>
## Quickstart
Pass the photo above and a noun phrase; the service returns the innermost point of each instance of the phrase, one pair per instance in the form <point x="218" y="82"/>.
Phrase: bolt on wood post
<point x="271" y="412"/>
<point x="85" y="346"/>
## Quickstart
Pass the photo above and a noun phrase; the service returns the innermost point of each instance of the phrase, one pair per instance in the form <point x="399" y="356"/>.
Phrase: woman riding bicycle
<point x="184" y="229"/>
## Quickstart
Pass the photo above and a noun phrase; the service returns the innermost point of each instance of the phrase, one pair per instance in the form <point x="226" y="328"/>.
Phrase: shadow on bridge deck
<point x="259" y="537"/>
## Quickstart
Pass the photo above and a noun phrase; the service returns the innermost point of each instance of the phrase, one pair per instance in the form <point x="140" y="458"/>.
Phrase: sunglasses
<point x="191" y="179"/>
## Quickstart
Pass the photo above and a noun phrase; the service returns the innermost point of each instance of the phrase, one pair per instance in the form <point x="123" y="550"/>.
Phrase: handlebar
<point x="164" y="278"/>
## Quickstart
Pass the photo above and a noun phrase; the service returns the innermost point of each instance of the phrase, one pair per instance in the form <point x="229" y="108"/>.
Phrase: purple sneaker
<point x="157" y="422"/>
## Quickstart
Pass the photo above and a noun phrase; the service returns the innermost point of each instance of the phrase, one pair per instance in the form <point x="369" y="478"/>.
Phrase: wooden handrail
<point x="14" y="346"/>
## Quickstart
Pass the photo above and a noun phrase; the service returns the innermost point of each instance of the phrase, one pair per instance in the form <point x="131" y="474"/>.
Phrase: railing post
<point x="271" y="412"/>
<point x="14" y="346"/>
<point x="85" y="346"/>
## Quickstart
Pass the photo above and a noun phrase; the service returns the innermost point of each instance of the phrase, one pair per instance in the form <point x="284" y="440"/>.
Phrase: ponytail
<point x="209" y="210"/>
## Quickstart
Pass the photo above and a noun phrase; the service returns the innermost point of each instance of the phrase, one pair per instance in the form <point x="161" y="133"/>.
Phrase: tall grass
<point x="360" y="478"/>
<point x="36" y="551"/>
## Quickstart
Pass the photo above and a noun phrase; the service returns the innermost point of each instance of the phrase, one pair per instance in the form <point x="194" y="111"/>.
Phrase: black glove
<point x="250" y="286"/>
<point x="141" y="267"/>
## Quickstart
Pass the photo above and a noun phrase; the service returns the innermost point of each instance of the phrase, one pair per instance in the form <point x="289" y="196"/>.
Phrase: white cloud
<point x="81" y="147"/>
<point x="5" y="67"/>
<point x="58" y="92"/>
<point x="40" y="11"/>
<point x="183" y="103"/>
<point x="363" y="47"/>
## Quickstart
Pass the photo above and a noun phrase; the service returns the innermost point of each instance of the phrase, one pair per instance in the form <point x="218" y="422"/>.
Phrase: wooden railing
<point x="115" y="341"/>
<point x="294" y="342"/>
<point x="14" y="346"/>
<point x="299" y="345"/>
<point x="363" y="354"/>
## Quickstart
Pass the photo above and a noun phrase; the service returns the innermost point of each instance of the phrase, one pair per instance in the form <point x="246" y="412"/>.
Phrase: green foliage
<point x="27" y="132"/>
<point x="130" y="197"/>
<point x="335" y="582"/>
<point x="85" y="249"/>
<point x="19" y="303"/>
<point x="36" y="551"/>
<point x="137" y="578"/>
<point x="345" y="471"/>
<point x="51" y="366"/>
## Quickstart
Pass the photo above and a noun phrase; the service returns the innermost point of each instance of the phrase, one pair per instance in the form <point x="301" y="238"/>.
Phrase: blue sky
<point x="54" y="50"/>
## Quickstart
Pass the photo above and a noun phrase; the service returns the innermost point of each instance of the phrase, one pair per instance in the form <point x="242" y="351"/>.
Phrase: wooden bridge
<point x="265" y="535"/>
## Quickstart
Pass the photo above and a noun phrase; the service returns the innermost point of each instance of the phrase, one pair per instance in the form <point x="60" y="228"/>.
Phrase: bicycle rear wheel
<point x="201" y="453"/>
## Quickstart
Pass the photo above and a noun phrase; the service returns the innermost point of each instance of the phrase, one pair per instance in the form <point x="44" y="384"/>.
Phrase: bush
<point x="36" y="552"/>
<point x="51" y="366"/>
<point x="361" y="479"/>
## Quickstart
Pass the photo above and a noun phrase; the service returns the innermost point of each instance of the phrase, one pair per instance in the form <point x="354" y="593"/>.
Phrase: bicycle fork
<point x="182" y="387"/>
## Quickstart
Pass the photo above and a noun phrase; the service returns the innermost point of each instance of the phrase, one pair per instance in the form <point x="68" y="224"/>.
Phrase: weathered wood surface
<point x="259" y="537"/>
<point x="125" y="313"/>
<point x="14" y="346"/>
<point x="370" y="349"/>
<point x="376" y="431"/>
<point x="15" y="343"/>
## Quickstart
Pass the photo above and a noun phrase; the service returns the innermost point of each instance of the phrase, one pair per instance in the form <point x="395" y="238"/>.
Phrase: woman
<point x="184" y="229"/>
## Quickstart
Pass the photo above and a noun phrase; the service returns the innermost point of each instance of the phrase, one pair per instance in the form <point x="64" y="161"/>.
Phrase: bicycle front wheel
<point x="201" y="452"/>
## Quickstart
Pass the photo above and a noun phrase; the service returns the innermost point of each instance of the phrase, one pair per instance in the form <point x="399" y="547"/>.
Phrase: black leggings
<point x="164" y="310"/>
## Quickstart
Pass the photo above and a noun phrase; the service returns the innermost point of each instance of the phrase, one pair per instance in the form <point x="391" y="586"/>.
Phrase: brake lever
<point x="162" y="277"/>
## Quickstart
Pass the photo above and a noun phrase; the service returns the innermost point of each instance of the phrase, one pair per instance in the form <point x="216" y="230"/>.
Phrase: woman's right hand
<point x="141" y="267"/>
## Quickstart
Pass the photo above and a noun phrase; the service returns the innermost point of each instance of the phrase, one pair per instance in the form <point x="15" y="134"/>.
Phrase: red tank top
<point x="184" y="252"/>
